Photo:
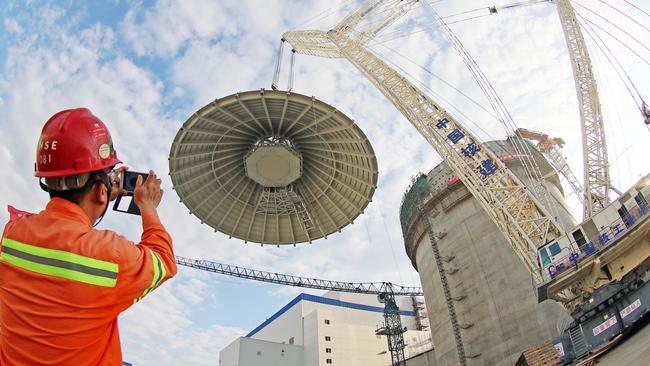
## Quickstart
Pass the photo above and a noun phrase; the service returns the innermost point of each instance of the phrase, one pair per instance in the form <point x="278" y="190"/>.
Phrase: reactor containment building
<point x="480" y="299"/>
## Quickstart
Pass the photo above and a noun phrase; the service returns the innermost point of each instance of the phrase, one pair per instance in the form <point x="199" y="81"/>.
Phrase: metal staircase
<point x="578" y="340"/>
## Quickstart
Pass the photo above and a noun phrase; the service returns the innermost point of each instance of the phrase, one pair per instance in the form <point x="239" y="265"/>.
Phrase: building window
<point x="328" y="360"/>
<point x="328" y="338"/>
<point x="327" y="321"/>
<point x="328" y="350"/>
<point x="291" y="340"/>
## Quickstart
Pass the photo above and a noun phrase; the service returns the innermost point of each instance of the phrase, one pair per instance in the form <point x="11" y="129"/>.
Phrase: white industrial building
<point x="333" y="329"/>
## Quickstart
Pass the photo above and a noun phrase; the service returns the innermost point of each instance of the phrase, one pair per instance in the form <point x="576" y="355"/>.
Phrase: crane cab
<point x="596" y="234"/>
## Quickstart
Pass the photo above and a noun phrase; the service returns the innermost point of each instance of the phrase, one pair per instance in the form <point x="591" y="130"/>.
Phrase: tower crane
<point x="385" y="291"/>
<point x="596" y="267"/>
<point x="550" y="147"/>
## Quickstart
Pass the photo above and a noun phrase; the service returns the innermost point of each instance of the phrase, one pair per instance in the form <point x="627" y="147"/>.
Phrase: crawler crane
<point x="596" y="270"/>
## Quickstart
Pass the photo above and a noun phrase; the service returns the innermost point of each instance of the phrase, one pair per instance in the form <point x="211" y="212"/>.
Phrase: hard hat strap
<point x="109" y="188"/>
<point x="43" y="185"/>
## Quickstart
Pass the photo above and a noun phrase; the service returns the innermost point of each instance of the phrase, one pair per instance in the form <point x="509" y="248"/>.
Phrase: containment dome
<point x="273" y="167"/>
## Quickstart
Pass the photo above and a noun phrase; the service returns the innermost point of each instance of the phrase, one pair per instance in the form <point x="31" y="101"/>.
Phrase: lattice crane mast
<point x="550" y="147"/>
<point x="597" y="184"/>
<point x="385" y="292"/>
<point x="514" y="209"/>
<point x="375" y="288"/>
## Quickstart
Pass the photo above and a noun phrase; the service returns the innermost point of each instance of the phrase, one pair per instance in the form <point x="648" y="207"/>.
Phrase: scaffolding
<point x="417" y="191"/>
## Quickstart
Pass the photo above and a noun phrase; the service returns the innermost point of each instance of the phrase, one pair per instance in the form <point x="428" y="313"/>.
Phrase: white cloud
<point x="12" y="26"/>
<point x="221" y="72"/>
<point x="159" y="330"/>
<point x="165" y="28"/>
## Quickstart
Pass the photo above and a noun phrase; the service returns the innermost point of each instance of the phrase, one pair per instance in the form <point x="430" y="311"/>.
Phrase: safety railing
<point x="605" y="238"/>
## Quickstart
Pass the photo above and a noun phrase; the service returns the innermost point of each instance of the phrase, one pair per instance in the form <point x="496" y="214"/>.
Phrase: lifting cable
<point x="390" y="247"/>
<point x="615" y="26"/>
<point x="278" y="65"/>
<point x="620" y="41"/>
<point x="607" y="91"/>
<point x="389" y="8"/>
<point x="625" y="15"/>
<point x="614" y="63"/>
<point x="293" y="61"/>
<point x="398" y="30"/>
<point x="387" y="37"/>
<point x="636" y="7"/>
<point x="390" y="244"/>
<point x="432" y="92"/>
<point x="527" y="160"/>
<point x="323" y="14"/>
<point x="607" y="52"/>
<point x="442" y="80"/>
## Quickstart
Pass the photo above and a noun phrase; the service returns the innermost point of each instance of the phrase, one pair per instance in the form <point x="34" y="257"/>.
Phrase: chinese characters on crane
<point x="487" y="167"/>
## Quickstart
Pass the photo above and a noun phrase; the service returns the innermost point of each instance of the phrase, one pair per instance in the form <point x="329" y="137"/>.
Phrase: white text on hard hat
<point x="48" y="145"/>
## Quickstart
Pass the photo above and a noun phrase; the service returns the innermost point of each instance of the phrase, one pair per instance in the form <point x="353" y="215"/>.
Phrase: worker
<point x="62" y="282"/>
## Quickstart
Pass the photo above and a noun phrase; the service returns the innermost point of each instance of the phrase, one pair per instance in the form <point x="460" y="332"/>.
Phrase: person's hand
<point x="116" y="190"/>
<point x="147" y="194"/>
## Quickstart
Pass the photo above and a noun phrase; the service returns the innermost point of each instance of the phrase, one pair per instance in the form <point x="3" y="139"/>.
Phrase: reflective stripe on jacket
<point x="63" y="284"/>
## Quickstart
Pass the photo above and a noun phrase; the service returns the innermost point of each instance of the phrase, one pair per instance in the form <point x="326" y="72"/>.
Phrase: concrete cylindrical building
<point x="480" y="298"/>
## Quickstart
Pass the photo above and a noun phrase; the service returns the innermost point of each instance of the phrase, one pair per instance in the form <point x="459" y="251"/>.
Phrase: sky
<point x="144" y="67"/>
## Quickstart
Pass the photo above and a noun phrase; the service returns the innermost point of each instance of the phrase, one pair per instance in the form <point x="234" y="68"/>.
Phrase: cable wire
<point x="615" y="26"/>
<point x="625" y="15"/>
<point x="451" y="106"/>
<point x="278" y="65"/>
<point x="531" y="169"/>
<point x="390" y="247"/>
<point x="444" y="17"/>
<point x="612" y="60"/>
<point x="621" y="42"/>
<point x="609" y="126"/>
<point x="441" y="80"/>
<point x="386" y="37"/>
<point x="323" y="14"/>
<point x="390" y="244"/>
<point x="636" y="7"/>
<point x="293" y="61"/>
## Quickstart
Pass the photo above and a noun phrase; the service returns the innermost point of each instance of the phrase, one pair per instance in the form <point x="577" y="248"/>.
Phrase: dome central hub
<point x="273" y="164"/>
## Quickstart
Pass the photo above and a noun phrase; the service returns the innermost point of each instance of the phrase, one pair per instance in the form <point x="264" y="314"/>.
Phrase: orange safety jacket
<point x="63" y="284"/>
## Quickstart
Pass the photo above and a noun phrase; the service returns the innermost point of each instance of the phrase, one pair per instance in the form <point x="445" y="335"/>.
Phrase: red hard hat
<point x="72" y="142"/>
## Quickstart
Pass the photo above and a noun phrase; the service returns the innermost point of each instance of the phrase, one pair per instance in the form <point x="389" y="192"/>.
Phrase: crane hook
<point x="645" y="111"/>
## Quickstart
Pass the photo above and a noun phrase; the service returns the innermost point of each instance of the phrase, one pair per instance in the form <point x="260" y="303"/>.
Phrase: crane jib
<point x="299" y="281"/>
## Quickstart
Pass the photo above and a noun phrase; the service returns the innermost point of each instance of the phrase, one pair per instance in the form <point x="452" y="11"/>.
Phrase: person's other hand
<point x="147" y="194"/>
